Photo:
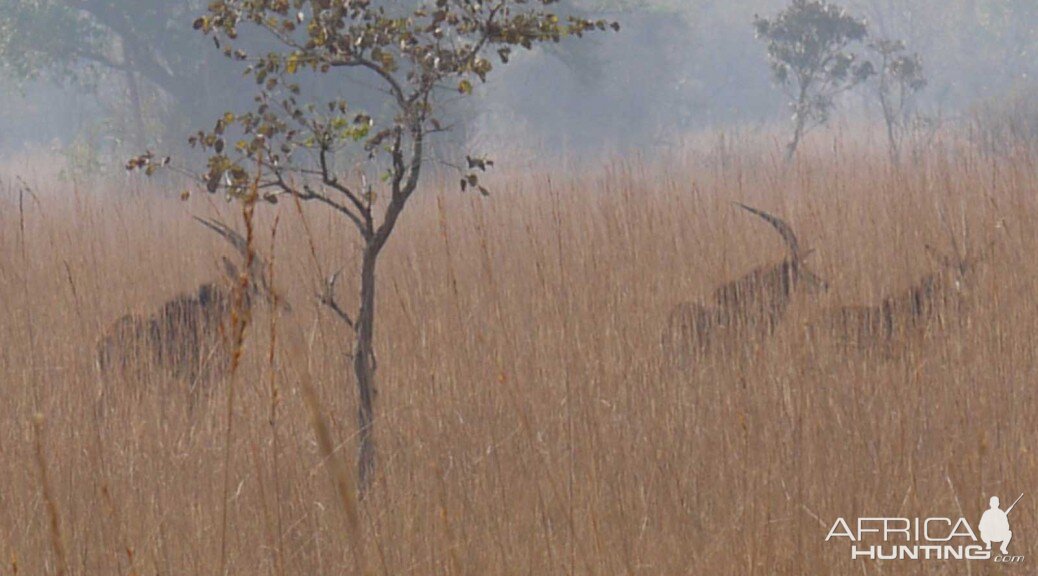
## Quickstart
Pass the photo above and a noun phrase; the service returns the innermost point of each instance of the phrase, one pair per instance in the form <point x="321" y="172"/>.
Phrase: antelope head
<point x="957" y="271"/>
<point x="259" y="280"/>
<point x="959" y="268"/>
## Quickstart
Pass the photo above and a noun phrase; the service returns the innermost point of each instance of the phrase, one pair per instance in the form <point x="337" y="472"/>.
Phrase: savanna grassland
<point x="527" y="423"/>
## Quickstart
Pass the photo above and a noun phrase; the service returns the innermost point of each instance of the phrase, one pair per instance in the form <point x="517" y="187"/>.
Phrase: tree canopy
<point x="287" y="143"/>
<point x="810" y="50"/>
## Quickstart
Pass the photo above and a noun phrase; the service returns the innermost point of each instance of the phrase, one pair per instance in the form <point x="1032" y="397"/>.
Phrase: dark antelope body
<point x="751" y="306"/>
<point x="188" y="337"/>
<point x="185" y="337"/>
<point x="935" y="300"/>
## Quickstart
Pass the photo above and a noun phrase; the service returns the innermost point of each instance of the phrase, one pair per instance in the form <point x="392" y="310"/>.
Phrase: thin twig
<point x="327" y="298"/>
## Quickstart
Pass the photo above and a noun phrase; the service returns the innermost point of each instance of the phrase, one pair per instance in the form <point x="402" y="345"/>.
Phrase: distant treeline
<point x="94" y="73"/>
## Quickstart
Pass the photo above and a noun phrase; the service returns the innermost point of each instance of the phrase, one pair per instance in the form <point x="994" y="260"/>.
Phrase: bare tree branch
<point x="327" y="298"/>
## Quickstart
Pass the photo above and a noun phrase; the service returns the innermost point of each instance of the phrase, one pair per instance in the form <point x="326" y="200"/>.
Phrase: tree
<point x="87" y="42"/>
<point x="809" y="49"/>
<point x="418" y="55"/>
<point x="900" y="78"/>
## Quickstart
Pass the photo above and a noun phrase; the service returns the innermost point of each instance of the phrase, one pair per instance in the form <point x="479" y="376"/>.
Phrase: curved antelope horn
<point x="230" y="269"/>
<point x="222" y="229"/>
<point x="781" y="226"/>
<point x="242" y="246"/>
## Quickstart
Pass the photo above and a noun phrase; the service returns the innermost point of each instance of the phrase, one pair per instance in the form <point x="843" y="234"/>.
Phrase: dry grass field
<point x="527" y="423"/>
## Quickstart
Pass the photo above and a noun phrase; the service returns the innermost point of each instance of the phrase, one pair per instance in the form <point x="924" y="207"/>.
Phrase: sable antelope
<point x="748" y="307"/>
<point x="188" y="337"/>
<point x="931" y="302"/>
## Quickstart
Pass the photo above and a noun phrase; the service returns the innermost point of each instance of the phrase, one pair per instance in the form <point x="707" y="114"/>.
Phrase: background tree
<point x="809" y="49"/>
<point x="900" y="78"/>
<point x="419" y="55"/>
<point x="586" y="96"/>
<point x="88" y="43"/>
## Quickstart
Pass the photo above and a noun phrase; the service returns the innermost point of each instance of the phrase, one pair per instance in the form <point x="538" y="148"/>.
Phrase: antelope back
<point x="192" y="331"/>
<point x="759" y="299"/>
<point x="128" y="346"/>
<point x="185" y="338"/>
<point x="899" y="317"/>
<point x="690" y="327"/>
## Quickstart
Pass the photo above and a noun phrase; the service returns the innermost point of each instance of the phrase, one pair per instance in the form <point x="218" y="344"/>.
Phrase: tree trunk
<point x="364" y="369"/>
<point x="892" y="142"/>
<point x="799" y="121"/>
<point x="138" y="111"/>
<point x="798" y="133"/>
<point x="133" y="87"/>
<point x="364" y="364"/>
<point x="890" y="118"/>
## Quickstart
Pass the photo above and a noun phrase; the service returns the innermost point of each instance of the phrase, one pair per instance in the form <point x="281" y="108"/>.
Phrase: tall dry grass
<point x="525" y="421"/>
